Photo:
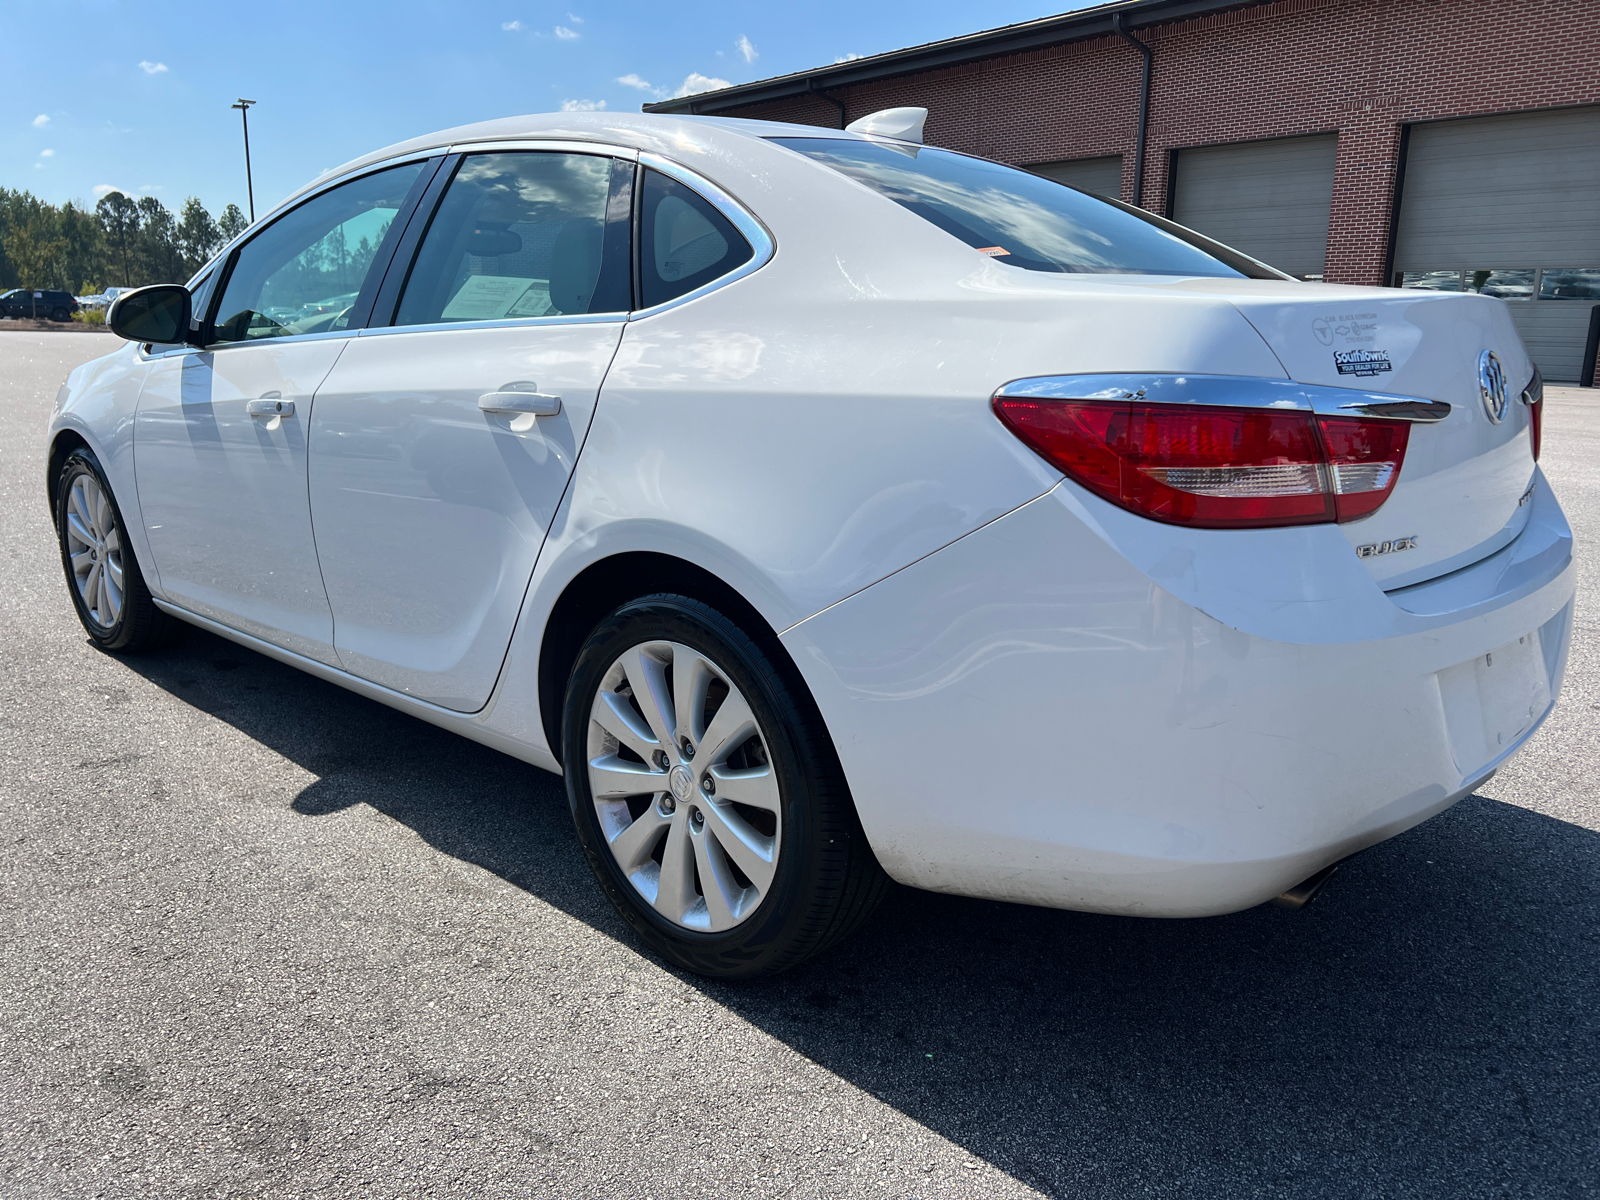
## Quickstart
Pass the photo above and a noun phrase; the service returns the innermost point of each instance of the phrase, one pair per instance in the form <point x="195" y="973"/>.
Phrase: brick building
<point x="1436" y="143"/>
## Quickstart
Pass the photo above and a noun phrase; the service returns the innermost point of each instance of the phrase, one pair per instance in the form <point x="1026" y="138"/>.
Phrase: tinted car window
<point x="304" y="272"/>
<point x="1022" y="219"/>
<point x="523" y="234"/>
<point x="685" y="243"/>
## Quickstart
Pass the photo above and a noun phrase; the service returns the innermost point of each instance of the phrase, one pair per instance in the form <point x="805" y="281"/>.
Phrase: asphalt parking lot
<point x="265" y="938"/>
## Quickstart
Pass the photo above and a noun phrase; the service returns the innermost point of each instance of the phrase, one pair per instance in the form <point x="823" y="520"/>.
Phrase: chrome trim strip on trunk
<point x="1232" y="391"/>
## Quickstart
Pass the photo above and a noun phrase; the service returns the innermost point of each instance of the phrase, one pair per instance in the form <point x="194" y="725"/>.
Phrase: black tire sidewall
<point x="773" y="935"/>
<point x="83" y="462"/>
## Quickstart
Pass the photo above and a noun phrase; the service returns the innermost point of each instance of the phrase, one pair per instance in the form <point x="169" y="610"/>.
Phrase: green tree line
<point x="120" y="242"/>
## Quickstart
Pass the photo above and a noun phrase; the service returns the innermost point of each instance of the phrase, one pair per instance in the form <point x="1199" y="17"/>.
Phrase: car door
<point x="441" y="446"/>
<point x="220" y="434"/>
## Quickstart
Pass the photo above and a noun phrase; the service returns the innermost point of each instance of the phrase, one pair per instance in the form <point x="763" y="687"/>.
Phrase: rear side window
<point x="523" y="234"/>
<point x="684" y="242"/>
<point x="1023" y="220"/>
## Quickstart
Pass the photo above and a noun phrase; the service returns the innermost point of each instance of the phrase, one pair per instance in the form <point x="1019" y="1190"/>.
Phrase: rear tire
<point x="742" y="878"/>
<point x="60" y="314"/>
<point x="103" y="577"/>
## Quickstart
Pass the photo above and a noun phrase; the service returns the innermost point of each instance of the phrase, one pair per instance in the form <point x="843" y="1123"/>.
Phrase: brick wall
<point x="1363" y="68"/>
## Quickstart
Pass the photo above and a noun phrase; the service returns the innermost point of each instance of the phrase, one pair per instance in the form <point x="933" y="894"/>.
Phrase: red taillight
<point x="1533" y="397"/>
<point x="1215" y="467"/>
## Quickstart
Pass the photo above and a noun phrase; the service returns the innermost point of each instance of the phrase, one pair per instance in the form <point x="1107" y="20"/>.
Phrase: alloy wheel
<point x="683" y="786"/>
<point x="94" y="547"/>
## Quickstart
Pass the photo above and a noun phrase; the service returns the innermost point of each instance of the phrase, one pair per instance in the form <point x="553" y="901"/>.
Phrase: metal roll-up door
<point x="1102" y="176"/>
<point x="1510" y="206"/>
<point x="1270" y="199"/>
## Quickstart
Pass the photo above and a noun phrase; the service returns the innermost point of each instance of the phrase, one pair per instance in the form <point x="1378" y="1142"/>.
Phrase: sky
<point x="105" y="94"/>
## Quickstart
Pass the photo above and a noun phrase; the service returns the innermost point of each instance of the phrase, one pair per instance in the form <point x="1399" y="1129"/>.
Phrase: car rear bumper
<point x="1077" y="708"/>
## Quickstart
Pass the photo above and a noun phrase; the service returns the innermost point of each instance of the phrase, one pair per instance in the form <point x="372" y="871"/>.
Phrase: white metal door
<point x="223" y="492"/>
<point x="1271" y="199"/>
<point x="1101" y="176"/>
<point x="1506" y="205"/>
<point x="430" y="511"/>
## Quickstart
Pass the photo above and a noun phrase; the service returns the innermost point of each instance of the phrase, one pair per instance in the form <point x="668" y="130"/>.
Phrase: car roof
<point x="672" y="136"/>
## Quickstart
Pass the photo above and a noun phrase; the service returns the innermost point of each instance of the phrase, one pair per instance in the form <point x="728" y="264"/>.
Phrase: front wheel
<point x="103" y="577"/>
<point x="707" y="795"/>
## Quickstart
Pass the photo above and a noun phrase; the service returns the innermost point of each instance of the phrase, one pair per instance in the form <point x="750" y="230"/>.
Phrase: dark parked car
<point x="38" y="302"/>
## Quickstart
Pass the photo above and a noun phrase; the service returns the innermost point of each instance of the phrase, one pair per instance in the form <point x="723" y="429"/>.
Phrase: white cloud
<point x="575" y="18"/>
<point x="567" y="35"/>
<point x="41" y="120"/>
<point x="47" y="154"/>
<point x="105" y="189"/>
<point x="745" y="48"/>
<point x="846" y="58"/>
<point x="633" y="81"/>
<point x="512" y="26"/>
<point x="695" y="83"/>
<point x="150" y="68"/>
<point x="582" y="105"/>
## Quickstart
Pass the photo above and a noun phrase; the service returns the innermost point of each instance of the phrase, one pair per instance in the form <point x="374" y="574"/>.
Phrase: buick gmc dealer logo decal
<point x="1355" y="332"/>
<point x="1362" y="362"/>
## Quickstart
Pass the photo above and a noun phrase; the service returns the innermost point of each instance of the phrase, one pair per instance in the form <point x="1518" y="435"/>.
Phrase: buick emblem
<point x="1492" y="383"/>
<point x="681" y="783"/>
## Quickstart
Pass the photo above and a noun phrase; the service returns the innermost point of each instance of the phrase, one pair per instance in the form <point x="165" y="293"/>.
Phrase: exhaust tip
<point x="1307" y="890"/>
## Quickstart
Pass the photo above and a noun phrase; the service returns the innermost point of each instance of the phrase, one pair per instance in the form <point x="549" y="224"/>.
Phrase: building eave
<point x="1078" y="26"/>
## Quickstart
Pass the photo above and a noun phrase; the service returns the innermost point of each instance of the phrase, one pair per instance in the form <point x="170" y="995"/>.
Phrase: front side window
<point x="684" y="242"/>
<point x="1023" y="220"/>
<point x="523" y="234"/>
<point x="304" y="272"/>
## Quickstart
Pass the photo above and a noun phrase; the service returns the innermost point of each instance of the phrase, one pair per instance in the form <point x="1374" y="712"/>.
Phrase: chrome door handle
<point x="269" y="407"/>
<point x="518" y="403"/>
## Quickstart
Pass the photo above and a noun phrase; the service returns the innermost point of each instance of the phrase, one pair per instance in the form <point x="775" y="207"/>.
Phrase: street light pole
<point x="244" y="115"/>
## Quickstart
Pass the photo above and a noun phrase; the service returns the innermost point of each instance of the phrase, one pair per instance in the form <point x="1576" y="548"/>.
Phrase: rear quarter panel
<point x="823" y="422"/>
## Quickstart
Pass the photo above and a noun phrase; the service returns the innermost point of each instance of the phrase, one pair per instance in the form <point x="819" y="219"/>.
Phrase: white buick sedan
<point x="830" y="509"/>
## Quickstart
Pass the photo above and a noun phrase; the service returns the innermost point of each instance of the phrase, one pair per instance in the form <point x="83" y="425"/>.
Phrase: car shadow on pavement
<point x="1428" y="1027"/>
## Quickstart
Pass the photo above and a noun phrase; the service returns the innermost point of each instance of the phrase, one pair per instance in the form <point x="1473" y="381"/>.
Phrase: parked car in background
<point x="825" y="505"/>
<point x="102" y="301"/>
<point x="42" y="304"/>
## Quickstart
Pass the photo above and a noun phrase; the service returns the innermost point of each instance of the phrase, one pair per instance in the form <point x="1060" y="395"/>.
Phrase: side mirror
<point x="159" y="313"/>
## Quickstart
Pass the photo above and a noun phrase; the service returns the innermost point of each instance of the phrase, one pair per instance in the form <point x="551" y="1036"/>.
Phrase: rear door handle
<point x="269" y="407"/>
<point x="518" y="403"/>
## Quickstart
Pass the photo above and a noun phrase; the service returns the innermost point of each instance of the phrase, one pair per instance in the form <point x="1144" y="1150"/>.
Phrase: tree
<point x="35" y="249"/>
<point x="119" y="221"/>
<point x="83" y="258"/>
<point x="198" y="235"/>
<point x="232" y="223"/>
<point x="159" y="257"/>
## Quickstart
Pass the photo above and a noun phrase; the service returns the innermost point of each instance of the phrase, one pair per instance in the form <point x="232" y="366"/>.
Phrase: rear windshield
<point x="1024" y="220"/>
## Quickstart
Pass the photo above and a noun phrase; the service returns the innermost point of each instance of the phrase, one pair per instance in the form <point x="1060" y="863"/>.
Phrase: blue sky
<point x="136" y="96"/>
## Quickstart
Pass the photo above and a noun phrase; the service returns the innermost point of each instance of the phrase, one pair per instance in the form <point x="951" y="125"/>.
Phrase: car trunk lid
<point x="1463" y="489"/>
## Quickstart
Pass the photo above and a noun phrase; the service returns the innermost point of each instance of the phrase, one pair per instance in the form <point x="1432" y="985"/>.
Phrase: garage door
<point x="1510" y="206"/>
<point x="1269" y="199"/>
<point x="1102" y="176"/>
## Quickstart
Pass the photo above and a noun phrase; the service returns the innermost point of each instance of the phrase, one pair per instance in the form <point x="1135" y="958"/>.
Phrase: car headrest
<point x="575" y="266"/>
